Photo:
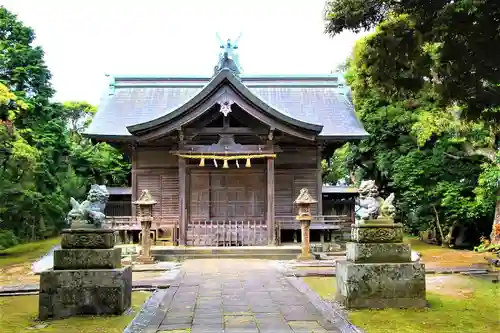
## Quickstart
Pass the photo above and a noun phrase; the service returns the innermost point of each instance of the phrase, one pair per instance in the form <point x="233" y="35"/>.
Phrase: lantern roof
<point x="304" y="197"/>
<point x="145" y="199"/>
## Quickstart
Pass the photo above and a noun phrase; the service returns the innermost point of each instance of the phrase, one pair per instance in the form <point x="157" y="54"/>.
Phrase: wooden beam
<point x="182" y="201"/>
<point x="226" y="130"/>
<point x="270" y="202"/>
<point x="233" y="149"/>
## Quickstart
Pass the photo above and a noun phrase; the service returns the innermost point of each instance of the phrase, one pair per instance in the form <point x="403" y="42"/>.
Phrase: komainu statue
<point x="89" y="213"/>
<point x="371" y="206"/>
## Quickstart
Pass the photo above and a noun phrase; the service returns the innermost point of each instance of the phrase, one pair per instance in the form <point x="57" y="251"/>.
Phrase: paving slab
<point x="235" y="295"/>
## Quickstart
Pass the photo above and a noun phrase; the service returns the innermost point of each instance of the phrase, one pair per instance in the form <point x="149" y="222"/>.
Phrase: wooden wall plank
<point x="283" y="199"/>
<point x="155" y="157"/>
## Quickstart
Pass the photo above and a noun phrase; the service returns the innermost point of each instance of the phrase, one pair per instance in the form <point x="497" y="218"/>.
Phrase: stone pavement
<point x="235" y="296"/>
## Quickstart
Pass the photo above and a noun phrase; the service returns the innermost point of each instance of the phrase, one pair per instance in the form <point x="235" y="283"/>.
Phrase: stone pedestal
<point x="378" y="271"/>
<point x="87" y="278"/>
<point x="304" y="202"/>
<point x="145" y="205"/>
<point x="145" y="255"/>
<point x="306" y="243"/>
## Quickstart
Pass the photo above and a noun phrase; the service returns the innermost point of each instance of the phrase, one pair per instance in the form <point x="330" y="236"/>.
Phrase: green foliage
<point x="452" y="46"/>
<point x="44" y="160"/>
<point x="425" y="86"/>
<point x="7" y="239"/>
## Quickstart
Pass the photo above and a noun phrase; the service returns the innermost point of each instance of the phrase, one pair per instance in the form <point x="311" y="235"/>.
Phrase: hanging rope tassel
<point x="225" y="165"/>
<point x="248" y="164"/>
<point x="237" y="164"/>
<point x="215" y="163"/>
<point x="202" y="162"/>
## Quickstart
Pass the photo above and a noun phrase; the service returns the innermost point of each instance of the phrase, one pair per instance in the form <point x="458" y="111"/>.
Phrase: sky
<point x="85" y="39"/>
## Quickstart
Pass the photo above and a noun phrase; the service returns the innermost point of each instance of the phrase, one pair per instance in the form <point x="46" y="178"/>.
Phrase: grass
<point x="27" y="252"/>
<point x="15" y="262"/>
<point x="18" y="315"/>
<point x="457" y="304"/>
<point x="435" y="256"/>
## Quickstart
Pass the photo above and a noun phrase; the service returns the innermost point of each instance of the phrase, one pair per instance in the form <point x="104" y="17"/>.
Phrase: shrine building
<point x="226" y="155"/>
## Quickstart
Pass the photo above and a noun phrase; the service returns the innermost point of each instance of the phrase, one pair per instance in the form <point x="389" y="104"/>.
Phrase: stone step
<point x="260" y="255"/>
<point x="225" y="250"/>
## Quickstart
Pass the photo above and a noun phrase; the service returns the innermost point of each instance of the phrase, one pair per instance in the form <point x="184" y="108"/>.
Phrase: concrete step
<point x="261" y="255"/>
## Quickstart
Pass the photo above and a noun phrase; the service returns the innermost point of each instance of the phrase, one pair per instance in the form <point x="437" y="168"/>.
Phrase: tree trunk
<point x="439" y="227"/>
<point x="449" y="237"/>
<point x="495" y="231"/>
<point x="352" y="176"/>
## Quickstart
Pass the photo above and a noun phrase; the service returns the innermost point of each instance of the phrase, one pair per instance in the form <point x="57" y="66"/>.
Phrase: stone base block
<point x="377" y="286"/>
<point x="305" y="257"/>
<point x="87" y="258"/>
<point x="88" y="239"/>
<point x="377" y="233"/>
<point x="84" y="292"/>
<point x="378" y="252"/>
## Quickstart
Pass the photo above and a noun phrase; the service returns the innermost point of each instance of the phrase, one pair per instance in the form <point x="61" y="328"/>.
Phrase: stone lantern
<point x="145" y="205"/>
<point x="304" y="202"/>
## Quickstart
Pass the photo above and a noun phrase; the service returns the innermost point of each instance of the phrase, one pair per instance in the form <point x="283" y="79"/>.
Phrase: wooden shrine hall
<point x="225" y="156"/>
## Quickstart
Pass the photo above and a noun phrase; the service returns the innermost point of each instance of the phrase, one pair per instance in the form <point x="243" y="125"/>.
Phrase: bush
<point x="7" y="239"/>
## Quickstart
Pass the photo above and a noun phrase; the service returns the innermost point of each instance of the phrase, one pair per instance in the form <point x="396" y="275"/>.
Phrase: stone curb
<point x="332" y="273"/>
<point x="149" y="318"/>
<point x="332" y="313"/>
<point x="144" y="317"/>
<point x="145" y="269"/>
<point x="20" y="290"/>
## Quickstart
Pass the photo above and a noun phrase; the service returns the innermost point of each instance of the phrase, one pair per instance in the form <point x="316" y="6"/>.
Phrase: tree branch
<point x="455" y="157"/>
<point x="489" y="153"/>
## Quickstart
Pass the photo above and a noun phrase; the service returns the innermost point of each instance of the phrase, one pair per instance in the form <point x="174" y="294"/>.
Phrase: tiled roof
<point x="310" y="99"/>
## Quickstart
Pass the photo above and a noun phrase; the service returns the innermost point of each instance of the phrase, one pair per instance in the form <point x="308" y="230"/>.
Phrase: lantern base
<point x="142" y="260"/>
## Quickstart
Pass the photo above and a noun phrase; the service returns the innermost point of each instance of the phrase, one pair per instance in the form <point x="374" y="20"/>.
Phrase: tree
<point x="44" y="159"/>
<point x="423" y="112"/>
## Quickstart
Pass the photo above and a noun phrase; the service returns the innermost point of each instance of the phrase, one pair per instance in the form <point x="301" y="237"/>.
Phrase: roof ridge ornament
<point x="228" y="57"/>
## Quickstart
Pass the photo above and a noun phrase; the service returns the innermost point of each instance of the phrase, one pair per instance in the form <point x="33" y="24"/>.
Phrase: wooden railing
<point x="318" y="222"/>
<point x="132" y="223"/>
<point x="232" y="232"/>
<point x="238" y="232"/>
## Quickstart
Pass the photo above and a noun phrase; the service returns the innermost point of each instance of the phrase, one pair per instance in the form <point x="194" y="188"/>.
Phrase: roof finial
<point x="228" y="57"/>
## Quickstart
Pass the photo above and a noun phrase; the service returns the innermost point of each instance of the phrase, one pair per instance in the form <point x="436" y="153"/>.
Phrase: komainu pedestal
<point x="378" y="271"/>
<point x="87" y="278"/>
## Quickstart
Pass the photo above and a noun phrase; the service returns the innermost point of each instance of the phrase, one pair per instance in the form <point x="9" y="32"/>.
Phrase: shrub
<point x="7" y="239"/>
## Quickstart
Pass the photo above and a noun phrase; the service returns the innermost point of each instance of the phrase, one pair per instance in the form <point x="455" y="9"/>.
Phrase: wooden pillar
<point x="134" y="178"/>
<point x="182" y="201"/>
<point x="270" y="202"/>
<point x="319" y="195"/>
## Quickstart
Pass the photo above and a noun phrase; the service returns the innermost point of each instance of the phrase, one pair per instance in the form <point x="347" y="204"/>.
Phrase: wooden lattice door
<point x="236" y="195"/>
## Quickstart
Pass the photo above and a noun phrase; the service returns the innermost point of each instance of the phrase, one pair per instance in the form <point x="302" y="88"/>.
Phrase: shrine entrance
<point x="227" y="207"/>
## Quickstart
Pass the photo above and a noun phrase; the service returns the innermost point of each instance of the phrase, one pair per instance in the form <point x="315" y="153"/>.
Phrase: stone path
<point x="236" y="296"/>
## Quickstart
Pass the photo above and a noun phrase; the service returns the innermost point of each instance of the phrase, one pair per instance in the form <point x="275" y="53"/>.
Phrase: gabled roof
<point x="314" y="102"/>
<point x="224" y="77"/>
